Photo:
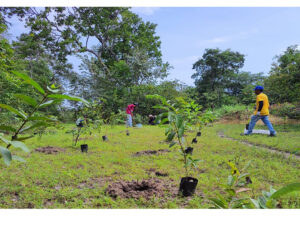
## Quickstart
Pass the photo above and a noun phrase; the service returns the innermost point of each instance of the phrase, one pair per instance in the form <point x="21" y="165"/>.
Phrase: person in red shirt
<point x="129" y="112"/>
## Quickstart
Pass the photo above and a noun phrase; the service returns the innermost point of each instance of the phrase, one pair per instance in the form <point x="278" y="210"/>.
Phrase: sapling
<point x="236" y="183"/>
<point x="48" y="97"/>
<point x="177" y="125"/>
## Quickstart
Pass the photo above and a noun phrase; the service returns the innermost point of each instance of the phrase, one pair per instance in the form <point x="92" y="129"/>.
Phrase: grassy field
<point x="74" y="180"/>
<point x="288" y="138"/>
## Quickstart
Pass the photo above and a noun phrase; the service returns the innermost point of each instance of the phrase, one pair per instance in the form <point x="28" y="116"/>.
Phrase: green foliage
<point x="283" y="84"/>
<point x="269" y="200"/>
<point x="236" y="183"/>
<point x="32" y="118"/>
<point x="286" y="110"/>
<point x="233" y="111"/>
<point x="178" y="121"/>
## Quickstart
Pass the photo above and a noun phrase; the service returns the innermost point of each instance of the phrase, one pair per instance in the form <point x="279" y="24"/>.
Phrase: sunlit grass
<point x="53" y="181"/>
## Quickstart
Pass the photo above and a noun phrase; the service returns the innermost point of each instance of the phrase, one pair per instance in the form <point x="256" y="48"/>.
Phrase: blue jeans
<point x="265" y="120"/>
<point x="129" y="120"/>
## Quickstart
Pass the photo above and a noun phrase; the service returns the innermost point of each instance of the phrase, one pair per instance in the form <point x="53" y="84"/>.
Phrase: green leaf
<point x="41" y="118"/>
<point x="26" y="99"/>
<point x="18" y="158"/>
<point x="52" y="90"/>
<point x="23" y="138"/>
<point x="217" y="202"/>
<point x="179" y="121"/>
<point x="47" y="103"/>
<point x="21" y="145"/>
<point x="230" y="180"/>
<point x="38" y="124"/>
<point x="181" y="131"/>
<point x="4" y="139"/>
<point x="30" y="81"/>
<point x="13" y="110"/>
<point x="6" y="154"/>
<point x="247" y="165"/>
<point x="7" y="128"/>
<point x="171" y="135"/>
<point x="255" y="203"/>
<point x="163" y="121"/>
<point x="69" y="97"/>
<point x="285" y="190"/>
<point x="172" y="144"/>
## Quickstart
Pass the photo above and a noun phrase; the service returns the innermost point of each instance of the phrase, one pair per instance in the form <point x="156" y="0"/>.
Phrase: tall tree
<point x="283" y="84"/>
<point x="214" y="73"/>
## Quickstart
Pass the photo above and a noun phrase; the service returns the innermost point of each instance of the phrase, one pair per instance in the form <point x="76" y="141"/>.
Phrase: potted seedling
<point x="177" y="125"/>
<point x="86" y="131"/>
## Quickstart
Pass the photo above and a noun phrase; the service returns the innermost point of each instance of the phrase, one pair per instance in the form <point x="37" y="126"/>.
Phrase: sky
<point x="258" y="33"/>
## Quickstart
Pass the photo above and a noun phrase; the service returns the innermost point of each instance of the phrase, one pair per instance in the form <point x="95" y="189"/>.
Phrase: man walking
<point x="129" y="112"/>
<point x="261" y="112"/>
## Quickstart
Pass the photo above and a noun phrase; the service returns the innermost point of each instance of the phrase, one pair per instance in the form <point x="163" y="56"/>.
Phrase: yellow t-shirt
<point x="265" y="109"/>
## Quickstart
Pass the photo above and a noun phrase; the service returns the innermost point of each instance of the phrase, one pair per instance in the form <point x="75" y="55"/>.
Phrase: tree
<point x="214" y="71"/>
<point x="283" y="84"/>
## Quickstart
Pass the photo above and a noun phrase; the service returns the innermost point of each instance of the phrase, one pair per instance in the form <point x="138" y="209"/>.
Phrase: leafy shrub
<point x="286" y="110"/>
<point x="233" y="111"/>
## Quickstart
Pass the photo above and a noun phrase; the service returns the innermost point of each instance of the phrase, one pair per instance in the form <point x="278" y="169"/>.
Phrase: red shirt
<point x="130" y="109"/>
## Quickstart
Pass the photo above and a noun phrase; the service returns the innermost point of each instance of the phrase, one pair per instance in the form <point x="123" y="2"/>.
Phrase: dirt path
<point x="270" y="149"/>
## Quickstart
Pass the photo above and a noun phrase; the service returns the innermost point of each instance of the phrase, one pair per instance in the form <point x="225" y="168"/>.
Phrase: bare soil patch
<point x="153" y="171"/>
<point x="151" y="152"/>
<point x="50" y="150"/>
<point x="142" y="189"/>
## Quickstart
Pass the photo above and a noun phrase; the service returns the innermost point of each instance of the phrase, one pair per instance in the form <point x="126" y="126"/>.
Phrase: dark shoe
<point x="272" y="135"/>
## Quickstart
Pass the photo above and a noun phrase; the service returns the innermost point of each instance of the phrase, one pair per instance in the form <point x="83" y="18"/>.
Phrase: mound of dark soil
<point x="151" y="152"/>
<point x="50" y="150"/>
<point x="153" y="171"/>
<point x="141" y="189"/>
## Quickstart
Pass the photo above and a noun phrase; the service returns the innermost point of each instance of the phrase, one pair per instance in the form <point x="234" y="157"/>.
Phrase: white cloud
<point x="148" y="11"/>
<point x="228" y="38"/>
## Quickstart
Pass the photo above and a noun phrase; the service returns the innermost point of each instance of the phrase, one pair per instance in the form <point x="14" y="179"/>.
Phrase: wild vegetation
<point x="77" y="152"/>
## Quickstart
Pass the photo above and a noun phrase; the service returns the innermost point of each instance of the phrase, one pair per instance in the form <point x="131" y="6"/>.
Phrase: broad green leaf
<point x="23" y="138"/>
<point x="171" y="135"/>
<point x="255" y="203"/>
<point x="7" y="128"/>
<point x="69" y="97"/>
<point x="6" y="154"/>
<point x="4" y="139"/>
<point x="180" y="131"/>
<point x="168" y="129"/>
<point x="21" y="145"/>
<point x="38" y="124"/>
<point x="285" y="190"/>
<point x="40" y="118"/>
<point x="29" y="100"/>
<point x="18" y="158"/>
<point x="13" y="110"/>
<point x="243" y="175"/>
<point x="218" y="203"/>
<point x="163" y="121"/>
<point x="171" y="116"/>
<point x="30" y="81"/>
<point x="179" y="121"/>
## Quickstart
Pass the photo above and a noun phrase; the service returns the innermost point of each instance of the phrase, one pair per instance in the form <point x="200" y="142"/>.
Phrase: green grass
<point x="53" y="181"/>
<point x="288" y="137"/>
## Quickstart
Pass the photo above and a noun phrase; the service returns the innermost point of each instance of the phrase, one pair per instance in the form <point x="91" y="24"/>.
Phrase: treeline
<point x="121" y="63"/>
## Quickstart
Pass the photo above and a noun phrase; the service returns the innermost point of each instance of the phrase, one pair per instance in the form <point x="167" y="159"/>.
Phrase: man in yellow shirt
<point x="261" y="112"/>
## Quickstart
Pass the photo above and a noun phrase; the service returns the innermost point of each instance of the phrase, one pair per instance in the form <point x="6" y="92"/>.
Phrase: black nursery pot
<point x="104" y="138"/>
<point x="127" y="134"/>
<point x="247" y="126"/>
<point x="199" y="134"/>
<point x="189" y="150"/>
<point x="84" y="148"/>
<point x="188" y="186"/>
<point x="194" y="140"/>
